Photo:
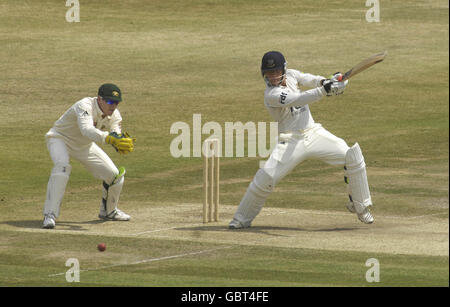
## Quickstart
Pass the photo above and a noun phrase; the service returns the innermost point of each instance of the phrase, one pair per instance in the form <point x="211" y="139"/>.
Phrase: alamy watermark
<point x="73" y="13"/>
<point x="373" y="274"/>
<point x="73" y="274"/>
<point x="373" y="14"/>
<point x="232" y="135"/>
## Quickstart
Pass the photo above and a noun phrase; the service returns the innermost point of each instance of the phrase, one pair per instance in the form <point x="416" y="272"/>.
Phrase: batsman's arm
<point x="308" y="80"/>
<point x="284" y="98"/>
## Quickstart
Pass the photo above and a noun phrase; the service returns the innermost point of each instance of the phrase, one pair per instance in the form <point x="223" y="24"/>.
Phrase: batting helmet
<point x="273" y="60"/>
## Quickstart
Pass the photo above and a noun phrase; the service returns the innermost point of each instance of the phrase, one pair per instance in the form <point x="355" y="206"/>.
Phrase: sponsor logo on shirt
<point x="283" y="96"/>
<point x="297" y="110"/>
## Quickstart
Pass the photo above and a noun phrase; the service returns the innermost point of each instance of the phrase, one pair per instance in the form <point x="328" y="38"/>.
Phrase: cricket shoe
<point x="235" y="224"/>
<point x="115" y="215"/>
<point x="351" y="207"/>
<point x="49" y="221"/>
<point x="365" y="217"/>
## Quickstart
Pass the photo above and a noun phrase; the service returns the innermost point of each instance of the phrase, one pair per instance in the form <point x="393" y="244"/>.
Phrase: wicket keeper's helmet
<point x="273" y="60"/>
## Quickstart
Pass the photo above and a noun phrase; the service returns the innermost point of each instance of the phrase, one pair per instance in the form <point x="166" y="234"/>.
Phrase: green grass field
<point x="173" y="59"/>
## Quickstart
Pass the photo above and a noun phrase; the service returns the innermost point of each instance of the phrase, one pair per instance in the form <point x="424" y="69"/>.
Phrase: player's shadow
<point x="267" y="230"/>
<point x="60" y="225"/>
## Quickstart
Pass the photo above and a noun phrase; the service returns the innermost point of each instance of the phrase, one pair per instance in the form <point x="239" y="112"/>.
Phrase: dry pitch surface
<point x="291" y="228"/>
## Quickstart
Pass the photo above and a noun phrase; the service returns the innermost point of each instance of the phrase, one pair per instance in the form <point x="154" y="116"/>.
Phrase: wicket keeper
<point x="74" y="135"/>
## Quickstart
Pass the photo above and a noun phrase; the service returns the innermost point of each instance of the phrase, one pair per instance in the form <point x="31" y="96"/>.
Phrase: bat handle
<point x="340" y="78"/>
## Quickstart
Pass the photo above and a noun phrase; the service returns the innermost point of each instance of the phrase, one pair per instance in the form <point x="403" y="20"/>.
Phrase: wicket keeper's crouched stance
<point x="300" y="139"/>
<point x="74" y="135"/>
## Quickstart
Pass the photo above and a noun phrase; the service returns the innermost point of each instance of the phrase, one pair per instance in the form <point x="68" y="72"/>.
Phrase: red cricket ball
<point x="101" y="247"/>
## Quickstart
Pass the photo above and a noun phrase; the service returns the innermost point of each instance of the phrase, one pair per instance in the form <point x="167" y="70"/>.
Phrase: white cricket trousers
<point x="92" y="157"/>
<point x="292" y="149"/>
<point x="296" y="147"/>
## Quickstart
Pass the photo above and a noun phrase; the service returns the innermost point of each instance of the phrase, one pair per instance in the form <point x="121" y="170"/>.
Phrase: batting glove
<point x="334" y="87"/>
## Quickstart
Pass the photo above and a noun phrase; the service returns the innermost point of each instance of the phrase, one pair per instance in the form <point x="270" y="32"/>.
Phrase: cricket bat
<point x="363" y="65"/>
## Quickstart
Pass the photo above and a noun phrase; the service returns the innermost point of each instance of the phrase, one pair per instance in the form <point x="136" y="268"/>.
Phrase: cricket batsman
<point x="300" y="138"/>
<point x="74" y="135"/>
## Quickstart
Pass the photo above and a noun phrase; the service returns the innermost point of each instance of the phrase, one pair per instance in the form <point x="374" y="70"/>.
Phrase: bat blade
<point x="363" y="65"/>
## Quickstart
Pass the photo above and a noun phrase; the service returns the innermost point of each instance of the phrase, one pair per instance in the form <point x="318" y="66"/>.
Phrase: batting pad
<point x="355" y="172"/>
<point x="254" y="199"/>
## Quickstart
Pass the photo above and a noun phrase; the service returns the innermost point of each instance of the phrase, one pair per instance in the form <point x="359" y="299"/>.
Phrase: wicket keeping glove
<point x="122" y="143"/>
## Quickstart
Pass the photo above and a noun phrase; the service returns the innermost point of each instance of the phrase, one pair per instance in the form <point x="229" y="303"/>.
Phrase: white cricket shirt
<point x="288" y="105"/>
<point x="84" y="123"/>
